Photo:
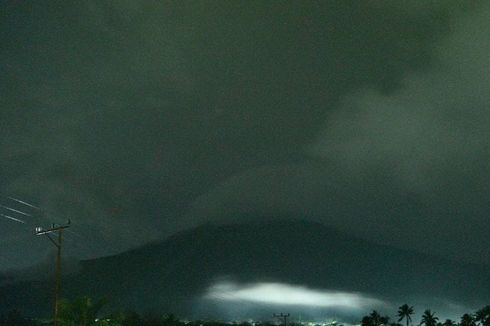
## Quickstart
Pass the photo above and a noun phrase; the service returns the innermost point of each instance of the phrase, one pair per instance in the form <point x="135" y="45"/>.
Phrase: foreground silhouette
<point x="479" y="318"/>
<point x="84" y="311"/>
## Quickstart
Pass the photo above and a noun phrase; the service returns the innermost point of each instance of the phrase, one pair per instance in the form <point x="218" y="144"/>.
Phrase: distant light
<point x="285" y="294"/>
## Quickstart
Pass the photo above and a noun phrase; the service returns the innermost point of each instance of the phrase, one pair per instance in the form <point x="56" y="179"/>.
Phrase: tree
<point x="366" y="321"/>
<point x="467" y="320"/>
<point x="429" y="318"/>
<point x="374" y="319"/>
<point x="172" y="320"/>
<point x="449" y="322"/>
<point x="405" y="312"/>
<point x="483" y="316"/>
<point x="82" y="312"/>
<point x="384" y="320"/>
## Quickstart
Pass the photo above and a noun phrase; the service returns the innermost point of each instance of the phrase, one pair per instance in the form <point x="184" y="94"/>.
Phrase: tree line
<point x="86" y="312"/>
<point x="405" y="312"/>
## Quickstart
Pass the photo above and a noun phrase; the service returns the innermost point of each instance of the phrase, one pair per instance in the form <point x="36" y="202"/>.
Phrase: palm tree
<point x="404" y="312"/>
<point x="429" y="318"/>
<point x="449" y="322"/>
<point x="467" y="320"/>
<point x="483" y="316"/>
<point x="373" y="319"/>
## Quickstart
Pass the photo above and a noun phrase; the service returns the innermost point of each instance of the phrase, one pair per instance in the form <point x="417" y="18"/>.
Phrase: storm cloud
<point x="431" y="139"/>
<point x="407" y="167"/>
<point x="139" y="119"/>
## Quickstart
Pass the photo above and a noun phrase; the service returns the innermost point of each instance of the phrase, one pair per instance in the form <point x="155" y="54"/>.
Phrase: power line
<point x="12" y="218"/>
<point x="22" y="207"/>
<point x="57" y="241"/>
<point x="15" y="210"/>
<point x="24" y="203"/>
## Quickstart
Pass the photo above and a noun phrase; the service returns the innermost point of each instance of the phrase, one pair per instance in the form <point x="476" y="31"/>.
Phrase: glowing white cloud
<point x="285" y="294"/>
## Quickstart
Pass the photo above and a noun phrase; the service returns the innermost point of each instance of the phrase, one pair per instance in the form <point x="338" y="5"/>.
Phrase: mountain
<point x="169" y="275"/>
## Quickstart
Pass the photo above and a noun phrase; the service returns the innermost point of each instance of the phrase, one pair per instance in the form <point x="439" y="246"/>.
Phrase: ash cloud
<point x="127" y="117"/>
<point x="286" y="294"/>
<point x="407" y="167"/>
<point x="430" y="138"/>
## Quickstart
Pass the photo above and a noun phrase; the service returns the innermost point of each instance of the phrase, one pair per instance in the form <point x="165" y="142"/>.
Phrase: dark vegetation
<point x="428" y="318"/>
<point x="86" y="312"/>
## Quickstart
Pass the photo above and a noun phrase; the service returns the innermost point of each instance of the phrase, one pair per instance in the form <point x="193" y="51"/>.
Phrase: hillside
<point x="169" y="275"/>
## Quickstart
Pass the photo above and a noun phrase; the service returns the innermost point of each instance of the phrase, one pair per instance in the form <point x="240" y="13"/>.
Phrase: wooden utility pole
<point x="57" y="241"/>
<point x="284" y="317"/>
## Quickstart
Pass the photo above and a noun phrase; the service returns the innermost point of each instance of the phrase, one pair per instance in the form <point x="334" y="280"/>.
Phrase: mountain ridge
<point x="171" y="274"/>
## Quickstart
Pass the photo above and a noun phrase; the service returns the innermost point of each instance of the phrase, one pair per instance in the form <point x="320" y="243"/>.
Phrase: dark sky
<point x="137" y="119"/>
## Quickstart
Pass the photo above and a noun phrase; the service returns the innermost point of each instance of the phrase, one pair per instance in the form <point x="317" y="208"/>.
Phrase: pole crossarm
<point x="57" y="242"/>
<point x="282" y="316"/>
<point x="41" y="231"/>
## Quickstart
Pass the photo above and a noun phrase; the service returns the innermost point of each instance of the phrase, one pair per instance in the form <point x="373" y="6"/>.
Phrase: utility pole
<point x="284" y="317"/>
<point x="57" y="241"/>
